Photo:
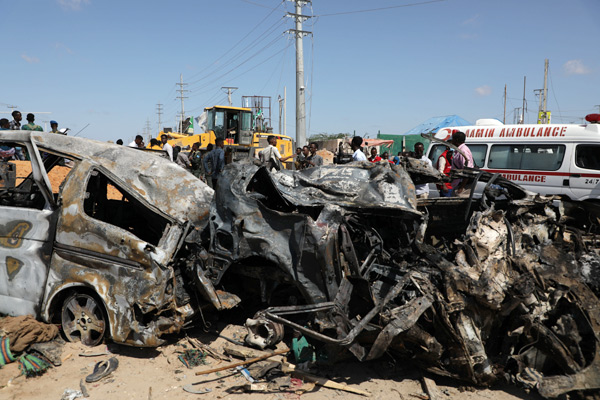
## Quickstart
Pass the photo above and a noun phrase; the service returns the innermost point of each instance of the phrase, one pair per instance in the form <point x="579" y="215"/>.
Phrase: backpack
<point x="271" y="162"/>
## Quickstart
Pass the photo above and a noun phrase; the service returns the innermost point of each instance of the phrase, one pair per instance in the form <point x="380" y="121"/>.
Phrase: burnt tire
<point x="83" y="319"/>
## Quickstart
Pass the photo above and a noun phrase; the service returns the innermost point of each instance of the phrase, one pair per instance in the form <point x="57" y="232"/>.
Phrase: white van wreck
<point x="96" y="253"/>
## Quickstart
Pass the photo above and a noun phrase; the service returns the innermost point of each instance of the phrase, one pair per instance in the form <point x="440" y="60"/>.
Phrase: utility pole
<point x="504" y="118"/>
<point x="159" y="111"/>
<point x="230" y="90"/>
<point x="149" y="135"/>
<point x="524" y="104"/>
<point x="598" y="105"/>
<point x="181" y="91"/>
<point x="300" y="104"/>
<point x="285" y="110"/>
<point x="517" y="115"/>
<point x="543" y="111"/>
<point x="280" y="101"/>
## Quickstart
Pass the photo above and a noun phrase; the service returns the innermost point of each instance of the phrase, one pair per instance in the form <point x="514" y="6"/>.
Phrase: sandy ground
<point x="158" y="374"/>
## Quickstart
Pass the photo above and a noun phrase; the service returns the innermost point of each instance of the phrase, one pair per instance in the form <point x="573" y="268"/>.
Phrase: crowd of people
<point x="449" y="160"/>
<point x="209" y="165"/>
<point x="16" y="153"/>
<point x="307" y="157"/>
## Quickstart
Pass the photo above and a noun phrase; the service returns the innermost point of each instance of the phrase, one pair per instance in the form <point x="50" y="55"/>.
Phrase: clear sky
<point x="104" y="65"/>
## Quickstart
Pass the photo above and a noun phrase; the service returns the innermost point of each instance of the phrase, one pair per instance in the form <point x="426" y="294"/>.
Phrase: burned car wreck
<point x="94" y="252"/>
<point x="129" y="246"/>
<point x="498" y="288"/>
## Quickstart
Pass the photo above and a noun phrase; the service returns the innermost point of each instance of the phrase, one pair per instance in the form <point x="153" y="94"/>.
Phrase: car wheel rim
<point x="83" y="320"/>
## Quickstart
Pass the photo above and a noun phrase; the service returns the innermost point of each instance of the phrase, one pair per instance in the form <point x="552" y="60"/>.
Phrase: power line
<point x="181" y="91"/>
<point x="159" y="111"/>
<point x="228" y="52"/>
<point x="242" y="52"/>
<point x="380" y="9"/>
<point x="261" y="5"/>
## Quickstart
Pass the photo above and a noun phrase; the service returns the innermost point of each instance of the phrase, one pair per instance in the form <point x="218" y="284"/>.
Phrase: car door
<point x="28" y="218"/>
<point x="102" y="222"/>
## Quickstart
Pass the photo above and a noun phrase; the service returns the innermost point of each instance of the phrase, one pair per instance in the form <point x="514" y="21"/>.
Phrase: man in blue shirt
<point x="214" y="162"/>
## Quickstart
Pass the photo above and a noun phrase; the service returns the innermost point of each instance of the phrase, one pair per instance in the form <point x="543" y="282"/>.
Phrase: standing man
<point x="444" y="165"/>
<point x="31" y="125"/>
<point x="461" y="159"/>
<point x="314" y="160"/>
<point x="137" y="142"/>
<point x="6" y="152"/>
<point x="166" y="146"/>
<point x="271" y="156"/>
<point x="374" y="157"/>
<point x="422" y="190"/>
<point x="15" y="125"/>
<point x="299" y="158"/>
<point x="195" y="158"/>
<point x="214" y="162"/>
<point x="386" y="157"/>
<point x="356" y="147"/>
<point x="54" y="127"/>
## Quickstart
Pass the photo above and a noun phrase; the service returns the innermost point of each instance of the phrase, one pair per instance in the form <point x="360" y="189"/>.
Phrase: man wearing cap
<point x="54" y="127"/>
<point x="31" y="125"/>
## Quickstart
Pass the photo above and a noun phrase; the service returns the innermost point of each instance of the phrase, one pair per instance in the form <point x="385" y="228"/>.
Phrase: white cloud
<point x="471" y="21"/>
<point x="73" y="4"/>
<point x="484" y="90"/>
<point x="63" y="47"/>
<point x="575" y="67"/>
<point x="30" y="60"/>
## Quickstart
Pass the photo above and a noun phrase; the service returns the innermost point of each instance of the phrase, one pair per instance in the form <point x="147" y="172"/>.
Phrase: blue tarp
<point x="432" y="125"/>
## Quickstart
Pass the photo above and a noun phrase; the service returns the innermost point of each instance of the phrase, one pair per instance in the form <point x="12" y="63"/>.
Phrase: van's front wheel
<point x="83" y="319"/>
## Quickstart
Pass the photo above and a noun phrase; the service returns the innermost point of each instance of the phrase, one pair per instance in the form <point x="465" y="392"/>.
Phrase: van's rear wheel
<point x="83" y="319"/>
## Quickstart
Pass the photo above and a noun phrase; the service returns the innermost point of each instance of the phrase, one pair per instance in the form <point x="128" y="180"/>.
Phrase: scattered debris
<point x="31" y="365"/>
<point x="241" y="363"/>
<point x="102" y="369"/>
<point x="190" y="389"/>
<point x="322" y="381"/>
<point x="432" y="390"/>
<point x="71" y="394"/>
<point x="84" y="391"/>
<point x="192" y="358"/>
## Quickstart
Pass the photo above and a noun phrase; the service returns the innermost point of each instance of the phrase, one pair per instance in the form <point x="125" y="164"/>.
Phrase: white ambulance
<point x="547" y="159"/>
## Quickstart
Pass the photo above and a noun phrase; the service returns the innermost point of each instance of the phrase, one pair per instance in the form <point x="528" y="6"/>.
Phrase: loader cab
<point x="232" y="124"/>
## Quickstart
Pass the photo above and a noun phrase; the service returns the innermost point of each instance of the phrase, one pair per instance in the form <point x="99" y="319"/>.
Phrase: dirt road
<point x="159" y="374"/>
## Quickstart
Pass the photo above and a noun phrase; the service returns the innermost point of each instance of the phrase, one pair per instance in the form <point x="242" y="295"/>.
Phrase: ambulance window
<point x="544" y="157"/>
<point x="587" y="156"/>
<point x="436" y="152"/>
<point x="478" y="151"/>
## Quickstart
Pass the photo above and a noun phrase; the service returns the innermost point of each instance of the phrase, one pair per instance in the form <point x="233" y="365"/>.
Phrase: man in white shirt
<point x="166" y="146"/>
<point x="356" y="147"/>
<point x="270" y="156"/>
<point x="422" y="190"/>
<point x="137" y="142"/>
